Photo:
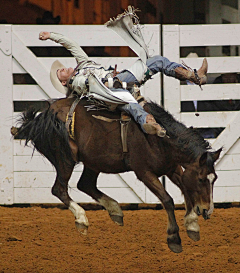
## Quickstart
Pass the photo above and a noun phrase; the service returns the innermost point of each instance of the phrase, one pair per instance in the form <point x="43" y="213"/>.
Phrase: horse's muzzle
<point x="204" y="214"/>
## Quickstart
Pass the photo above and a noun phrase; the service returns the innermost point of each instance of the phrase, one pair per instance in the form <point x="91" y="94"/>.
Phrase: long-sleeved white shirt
<point x="86" y="67"/>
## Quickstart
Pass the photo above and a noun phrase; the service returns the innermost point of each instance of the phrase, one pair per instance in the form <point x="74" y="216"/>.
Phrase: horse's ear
<point x="215" y="155"/>
<point x="203" y="159"/>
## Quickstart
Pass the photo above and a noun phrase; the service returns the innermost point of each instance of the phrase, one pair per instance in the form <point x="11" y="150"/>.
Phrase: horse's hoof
<point x="117" y="219"/>
<point x="175" y="248"/>
<point x="195" y="236"/>
<point x="83" y="229"/>
<point x="174" y="242"/>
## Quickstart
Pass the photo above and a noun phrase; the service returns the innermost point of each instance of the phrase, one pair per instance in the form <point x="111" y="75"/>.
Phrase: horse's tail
<point x="47" y="134"/>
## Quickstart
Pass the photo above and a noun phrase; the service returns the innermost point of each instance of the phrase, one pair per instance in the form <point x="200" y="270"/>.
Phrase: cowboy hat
<point x="54" y="78"/>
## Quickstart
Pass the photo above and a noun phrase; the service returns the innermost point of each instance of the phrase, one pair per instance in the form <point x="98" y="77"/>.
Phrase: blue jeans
<point x="136" y="111"/>
<point x="155" y="64"/>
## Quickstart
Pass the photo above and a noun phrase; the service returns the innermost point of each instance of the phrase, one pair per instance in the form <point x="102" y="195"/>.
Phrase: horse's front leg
<point x="87" y="184"/>
<point x="190" y="218"/>
<point x="60" y="190"/>
<point x="154" y="185"/>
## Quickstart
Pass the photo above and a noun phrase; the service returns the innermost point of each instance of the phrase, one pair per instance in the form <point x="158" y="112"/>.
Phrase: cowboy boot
<point x="198" y="77"/>
<point x="151" y="127"/>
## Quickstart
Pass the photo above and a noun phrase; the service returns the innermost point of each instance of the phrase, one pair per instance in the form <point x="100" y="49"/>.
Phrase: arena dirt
<point x="36" y="239"/>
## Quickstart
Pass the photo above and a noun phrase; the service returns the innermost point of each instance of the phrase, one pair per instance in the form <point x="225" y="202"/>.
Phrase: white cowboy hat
<point x="54" y="78"/>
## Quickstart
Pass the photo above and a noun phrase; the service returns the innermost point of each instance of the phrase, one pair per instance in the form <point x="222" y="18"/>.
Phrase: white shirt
<point x="87" y="66"/>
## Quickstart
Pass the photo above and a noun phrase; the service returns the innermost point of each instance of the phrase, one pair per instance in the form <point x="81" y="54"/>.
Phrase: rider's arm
<point x="69" y="44"/>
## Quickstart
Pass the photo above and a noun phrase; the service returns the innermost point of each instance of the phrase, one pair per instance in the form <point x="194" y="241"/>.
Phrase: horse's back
<point x="99" y="137"/>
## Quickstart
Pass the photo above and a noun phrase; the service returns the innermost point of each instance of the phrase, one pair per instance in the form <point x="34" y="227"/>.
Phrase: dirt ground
<point x="37" y="239"/>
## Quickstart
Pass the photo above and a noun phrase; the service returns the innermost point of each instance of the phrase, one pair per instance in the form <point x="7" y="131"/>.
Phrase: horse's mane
<point x="39" y="128"/>
<point x="188" y="140"/>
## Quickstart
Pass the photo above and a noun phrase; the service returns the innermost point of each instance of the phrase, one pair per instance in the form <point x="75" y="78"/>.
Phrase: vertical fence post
<point x="6" y="117"/>
<point x="171" y="90"/>
<point x="171" y="86"/>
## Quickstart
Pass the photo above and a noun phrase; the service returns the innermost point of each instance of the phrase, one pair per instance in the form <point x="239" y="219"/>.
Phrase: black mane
<point x="43" y="128"/>
<point x="188" y="140"/>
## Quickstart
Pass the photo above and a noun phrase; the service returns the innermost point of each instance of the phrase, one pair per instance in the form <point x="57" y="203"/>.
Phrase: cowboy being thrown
<point x="81" y="79"/>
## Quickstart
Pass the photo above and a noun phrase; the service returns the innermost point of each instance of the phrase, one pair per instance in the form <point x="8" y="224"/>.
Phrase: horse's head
<point x="198" y="180"/>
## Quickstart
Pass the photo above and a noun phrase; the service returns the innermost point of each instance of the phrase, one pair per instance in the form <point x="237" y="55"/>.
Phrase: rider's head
<point x="59" y="75"/>
<point x="63" y="74"/>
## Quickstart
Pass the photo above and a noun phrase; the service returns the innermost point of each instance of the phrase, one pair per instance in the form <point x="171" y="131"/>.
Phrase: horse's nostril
<point x="198" y="211"/>
<point x="205" y="214"/>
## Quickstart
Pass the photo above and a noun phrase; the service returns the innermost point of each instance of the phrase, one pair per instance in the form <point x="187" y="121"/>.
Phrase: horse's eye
<point x="200" y="180"/>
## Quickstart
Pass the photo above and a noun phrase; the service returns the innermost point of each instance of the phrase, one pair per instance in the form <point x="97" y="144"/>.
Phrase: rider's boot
<point x="152" y="127"/>
<point x="198" y="77"/>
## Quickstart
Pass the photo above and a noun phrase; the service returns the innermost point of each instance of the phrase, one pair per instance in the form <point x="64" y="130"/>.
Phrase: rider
<point x="77" y="79"/>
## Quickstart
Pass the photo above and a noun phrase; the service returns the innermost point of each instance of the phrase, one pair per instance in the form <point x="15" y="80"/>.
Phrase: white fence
<point x="27" y="179"/>
<point x="227" y="187"/>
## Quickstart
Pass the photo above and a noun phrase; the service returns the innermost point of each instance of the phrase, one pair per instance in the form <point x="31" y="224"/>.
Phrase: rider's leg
<point x="161" y="64"/>
<point x="146" y="121"/>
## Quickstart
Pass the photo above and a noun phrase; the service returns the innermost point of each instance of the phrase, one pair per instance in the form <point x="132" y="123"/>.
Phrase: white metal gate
<point x="28" y="179"/>
<point x="227" y="187"/>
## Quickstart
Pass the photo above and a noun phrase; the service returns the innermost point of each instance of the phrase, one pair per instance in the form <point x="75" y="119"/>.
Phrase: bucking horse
<point x="183" y="156"/>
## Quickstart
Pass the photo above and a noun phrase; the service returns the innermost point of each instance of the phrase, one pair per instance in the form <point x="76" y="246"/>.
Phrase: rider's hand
<point x="43" y="35"/>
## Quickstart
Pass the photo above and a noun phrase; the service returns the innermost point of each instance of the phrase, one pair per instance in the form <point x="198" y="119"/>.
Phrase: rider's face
<point x="64" y="73"/>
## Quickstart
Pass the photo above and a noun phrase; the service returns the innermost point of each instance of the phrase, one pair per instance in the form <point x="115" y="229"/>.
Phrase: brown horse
<point x="183" y="156"/>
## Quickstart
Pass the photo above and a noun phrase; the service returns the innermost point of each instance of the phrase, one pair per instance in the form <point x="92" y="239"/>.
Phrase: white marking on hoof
<point x="110" y="205"/>
<point x="191" y="222"/>
<point x="81" y="228"/>
<point x="80" y="216"/>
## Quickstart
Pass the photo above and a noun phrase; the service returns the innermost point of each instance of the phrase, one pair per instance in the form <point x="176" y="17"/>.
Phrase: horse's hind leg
<point x="154" y="185"/>
<point x="87" y="184"/>
<point x="190" y="218"/>
<point x="60" y="190"/>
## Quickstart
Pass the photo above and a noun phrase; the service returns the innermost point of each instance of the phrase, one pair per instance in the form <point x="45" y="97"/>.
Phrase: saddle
<point x="124" y="119"/>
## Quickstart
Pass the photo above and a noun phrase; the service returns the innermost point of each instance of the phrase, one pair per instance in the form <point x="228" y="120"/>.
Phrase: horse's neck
<point x="179" y="155"/>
